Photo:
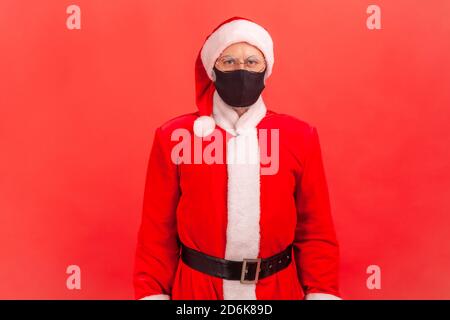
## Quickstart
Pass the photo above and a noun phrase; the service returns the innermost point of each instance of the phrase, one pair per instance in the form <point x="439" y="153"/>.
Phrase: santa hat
<point x="235" y="29"/>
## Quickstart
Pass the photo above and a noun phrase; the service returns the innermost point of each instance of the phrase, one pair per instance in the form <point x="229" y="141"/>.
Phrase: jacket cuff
<point x="321" y="296"/>
<point x="156" y="297"/>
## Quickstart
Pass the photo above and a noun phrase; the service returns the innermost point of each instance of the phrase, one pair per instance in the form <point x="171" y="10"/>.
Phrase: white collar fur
<point x="226" y="118"/>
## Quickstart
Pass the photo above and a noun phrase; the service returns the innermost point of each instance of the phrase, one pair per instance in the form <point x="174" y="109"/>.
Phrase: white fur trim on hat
<point x="232" y="32"/>
<point x="204" y="126"/>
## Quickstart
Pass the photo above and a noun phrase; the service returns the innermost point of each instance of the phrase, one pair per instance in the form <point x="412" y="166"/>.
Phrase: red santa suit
<point x="236" y="209"/>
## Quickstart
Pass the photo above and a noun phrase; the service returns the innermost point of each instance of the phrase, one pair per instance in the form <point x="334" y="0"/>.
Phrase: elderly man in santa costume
<point x="232" y="229"/>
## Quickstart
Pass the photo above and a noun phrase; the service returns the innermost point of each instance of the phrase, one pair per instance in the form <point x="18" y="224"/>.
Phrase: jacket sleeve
<point x="316" y="249"/>
<point x="157" y="252"/>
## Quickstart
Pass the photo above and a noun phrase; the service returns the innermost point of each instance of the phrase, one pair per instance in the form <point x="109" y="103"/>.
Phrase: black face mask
<point x="239" y="88"/>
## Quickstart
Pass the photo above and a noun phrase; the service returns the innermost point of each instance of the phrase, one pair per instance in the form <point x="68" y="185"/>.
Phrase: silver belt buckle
<point x="244" y="270"/>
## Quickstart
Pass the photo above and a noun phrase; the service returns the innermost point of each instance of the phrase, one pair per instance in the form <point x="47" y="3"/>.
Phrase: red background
<point x="79" y="108"/>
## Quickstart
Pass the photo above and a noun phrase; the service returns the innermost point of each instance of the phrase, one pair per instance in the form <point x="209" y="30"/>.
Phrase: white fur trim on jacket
<point x="321" y="296"/>
<point x="237" y="31"/>
<point x="226" y="118"/>
<point x="156" y="297"/>
<point x="243" y="167"/>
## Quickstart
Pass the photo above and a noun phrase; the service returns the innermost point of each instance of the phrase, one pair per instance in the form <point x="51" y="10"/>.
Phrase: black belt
<point x="247" y="270"/>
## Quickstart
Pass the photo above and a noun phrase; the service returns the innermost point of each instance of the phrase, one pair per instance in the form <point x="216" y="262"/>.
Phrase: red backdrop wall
<point x="79" y="108"/>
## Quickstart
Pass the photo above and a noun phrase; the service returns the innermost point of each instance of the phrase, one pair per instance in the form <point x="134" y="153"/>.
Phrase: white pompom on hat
<point x="230" y="31"/>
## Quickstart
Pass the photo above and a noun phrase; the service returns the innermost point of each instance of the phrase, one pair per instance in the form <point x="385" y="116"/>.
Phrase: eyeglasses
<point x="230" y="63"/>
